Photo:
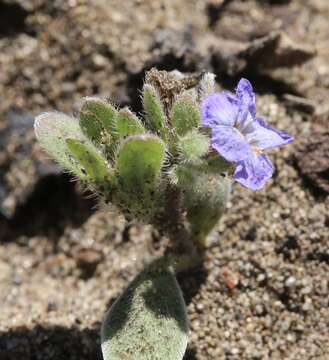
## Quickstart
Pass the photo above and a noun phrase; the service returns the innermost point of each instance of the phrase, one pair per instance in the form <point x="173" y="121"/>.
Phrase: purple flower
<point x="239" y="136"/>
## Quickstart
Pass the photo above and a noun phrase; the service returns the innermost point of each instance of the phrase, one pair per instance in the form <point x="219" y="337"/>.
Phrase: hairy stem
<point x="184" y="252"/>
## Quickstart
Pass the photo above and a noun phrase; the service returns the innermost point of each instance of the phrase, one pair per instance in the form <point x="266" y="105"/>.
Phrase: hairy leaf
<point x="97" y="116"/>
<point x="128" y="124"/>
<point x="193" y="146"/>
<point x="154" y="112"/>
<point x="138" y="166"/>
<point x="139" y="161"/>
<point x="206" y="193"/>
<point x="148" y="321"/>
<point x="91" y="161"/>
<point x="52" y="129"/>
<point x="185" y="114"/>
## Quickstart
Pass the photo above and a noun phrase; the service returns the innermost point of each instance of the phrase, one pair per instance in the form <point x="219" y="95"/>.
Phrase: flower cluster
<point x="239" y="136"/>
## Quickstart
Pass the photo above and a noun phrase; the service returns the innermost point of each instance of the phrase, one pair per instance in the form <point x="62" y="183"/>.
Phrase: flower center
<point x="256" y="150"/>
<point x="238" y="131"/>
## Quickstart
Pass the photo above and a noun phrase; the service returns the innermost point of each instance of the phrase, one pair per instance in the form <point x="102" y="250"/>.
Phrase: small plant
<point x="174" y="170"/>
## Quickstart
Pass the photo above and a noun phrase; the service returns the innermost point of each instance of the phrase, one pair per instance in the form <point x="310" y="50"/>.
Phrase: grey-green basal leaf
<point x="148" y="321"/>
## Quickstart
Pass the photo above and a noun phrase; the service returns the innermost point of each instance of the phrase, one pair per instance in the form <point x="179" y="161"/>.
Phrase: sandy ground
<point x="263" y="292"/>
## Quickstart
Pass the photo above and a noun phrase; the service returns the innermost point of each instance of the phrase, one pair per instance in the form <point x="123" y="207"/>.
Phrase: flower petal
<point x="254" y="171"/>
<point x="219" y="109"/>
<point x="264" y="136"/>
<point x="230" y="143"/>
<point x="246" y="95"/>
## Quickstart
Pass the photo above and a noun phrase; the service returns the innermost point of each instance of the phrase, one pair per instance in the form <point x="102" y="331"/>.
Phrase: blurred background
<point x="63" y="260"/>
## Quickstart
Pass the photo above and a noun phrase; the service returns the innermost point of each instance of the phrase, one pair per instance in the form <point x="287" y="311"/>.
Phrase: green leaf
<point x="97" y="116"/>
<point x="91" y="161"/>
<point x="128" y="124"/>
<point x="139" y="161"/>
<point x="185" y="114"/>
<point x="91" y="127"/>
<point x="138" y="164"/>
<point x="193" y="146"/>
<point x="52" y="129"/>
<point x="154" y="112"/>
<point x="148" y="321"/>
<point x="206" y="193"/>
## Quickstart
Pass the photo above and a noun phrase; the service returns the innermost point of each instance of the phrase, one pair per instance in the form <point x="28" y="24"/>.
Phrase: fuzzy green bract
<point x="91" y="161"/>
<point x="52" y="131"/>
<point x="97" y="111"/>
<point x="159" y="170"/>
<point x="185" y="114"/>
<point x="193" y="146"/>
<point x="139" y="162"/>
<point x="128" y="124"/>
<point x="138" y="166"/>
<point x="154" y="112"/>
<point x="206" y="196"/>
<point x="148" y="321"/>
